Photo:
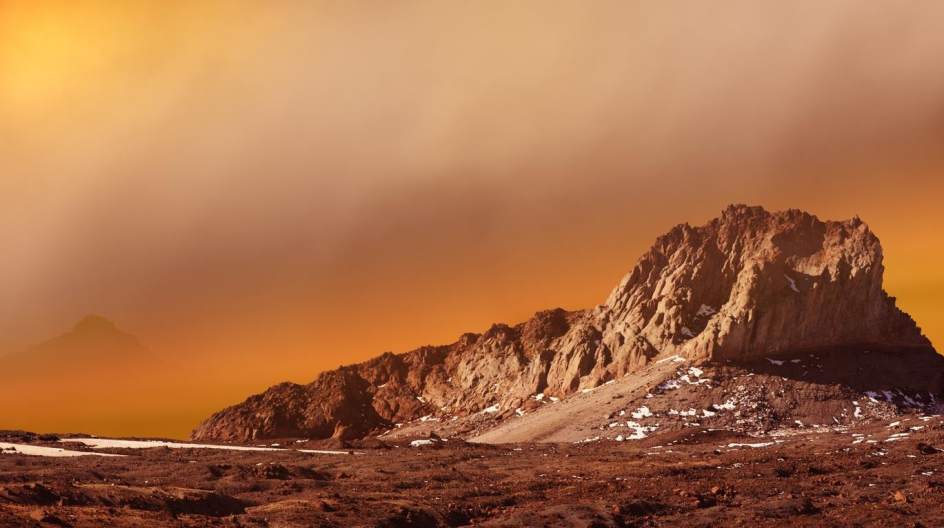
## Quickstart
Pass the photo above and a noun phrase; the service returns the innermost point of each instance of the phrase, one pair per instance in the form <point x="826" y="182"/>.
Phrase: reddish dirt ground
<point x="688" y="478"/>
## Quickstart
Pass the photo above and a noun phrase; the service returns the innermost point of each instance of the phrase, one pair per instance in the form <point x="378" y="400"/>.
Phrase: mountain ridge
<point x="746" y="285"/>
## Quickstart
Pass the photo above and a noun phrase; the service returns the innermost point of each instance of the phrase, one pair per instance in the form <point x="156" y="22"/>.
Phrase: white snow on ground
<point x="539" y="396"/>
<point x="639" y="431"/>
<point x="428" y="418"/>
<point x="761" y="444"/>
<point x="669" y="385"/>
<point x="492" y="409"/>
<point x="34" y="450"/>
<point x="642" y="412"/>
<point x="695" y="371"/>
<point x="793" y="284"/>
<point x="110" y="443"/>
<point x="896" y="437"/>
<point x="775" y="361"/>
<point x="420" y="443"/>
<point x="421" y="399"/>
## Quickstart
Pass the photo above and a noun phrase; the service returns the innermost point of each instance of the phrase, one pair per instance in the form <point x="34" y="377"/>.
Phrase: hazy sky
<point x="271" y="189"/>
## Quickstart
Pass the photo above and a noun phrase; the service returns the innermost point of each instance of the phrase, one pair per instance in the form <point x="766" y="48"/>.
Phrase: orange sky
<point x="260" y="191"/>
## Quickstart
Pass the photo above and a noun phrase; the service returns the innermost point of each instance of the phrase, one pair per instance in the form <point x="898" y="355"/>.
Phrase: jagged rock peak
<point x="747" y="284"/>
<point x="753" y="282"/>
<point x="94" y="323"/>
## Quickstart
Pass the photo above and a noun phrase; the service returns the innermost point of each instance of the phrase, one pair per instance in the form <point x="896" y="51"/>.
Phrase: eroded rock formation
<point x="747" y="284"/>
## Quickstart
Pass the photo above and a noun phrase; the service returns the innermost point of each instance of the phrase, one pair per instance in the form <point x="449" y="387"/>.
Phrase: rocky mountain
<point x="92" y="340"/>
<point x="748" y="292"/>
<point x="93" y="376"/>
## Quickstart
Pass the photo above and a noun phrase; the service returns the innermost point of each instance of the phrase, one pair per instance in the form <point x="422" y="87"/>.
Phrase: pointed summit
<point x="95" y="324"/>
<point x="94" y="331"/>
<point x="92" y="340"/>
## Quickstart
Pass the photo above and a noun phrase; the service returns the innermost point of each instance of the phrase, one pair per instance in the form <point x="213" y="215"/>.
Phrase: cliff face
<point x="753" y="283"/>
<point x="748" y="284"/>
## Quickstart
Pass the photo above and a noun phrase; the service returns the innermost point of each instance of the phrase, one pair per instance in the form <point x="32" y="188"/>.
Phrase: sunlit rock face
<point x="753" y="283"/>
<point x="748" y="284"/>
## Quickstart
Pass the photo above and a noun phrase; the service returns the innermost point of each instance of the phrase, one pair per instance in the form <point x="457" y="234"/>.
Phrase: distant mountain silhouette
<point x="94" y="378"/>
<point x="93" y="343"/>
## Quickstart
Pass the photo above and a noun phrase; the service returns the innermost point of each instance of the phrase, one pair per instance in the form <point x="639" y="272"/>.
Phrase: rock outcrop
<point x="748" y="284"/>
<point x="754" y="283"/>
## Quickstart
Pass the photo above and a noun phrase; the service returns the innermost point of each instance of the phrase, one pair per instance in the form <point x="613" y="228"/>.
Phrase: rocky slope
<point x="746" y="286"/>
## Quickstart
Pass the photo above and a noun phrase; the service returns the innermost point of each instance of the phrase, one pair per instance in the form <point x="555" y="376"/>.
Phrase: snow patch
<point x="639" y="431"/>
<point x="858" y="410"/>
<point x="34" y="450"/>
<point x="109" y="443"/>
<point x="793" y="284"/>
<point x="757" y="445"/>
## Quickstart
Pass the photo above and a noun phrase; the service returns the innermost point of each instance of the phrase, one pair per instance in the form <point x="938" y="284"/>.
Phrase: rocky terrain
<point x="748" y="372"/>
<point x="875" y="473"/>
<point x="752" y="322"/>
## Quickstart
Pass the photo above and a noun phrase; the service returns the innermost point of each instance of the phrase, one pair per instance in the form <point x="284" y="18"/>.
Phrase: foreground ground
<point x="879" y="474"/>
